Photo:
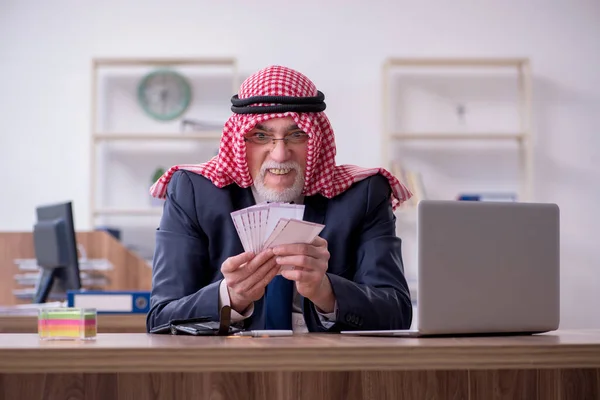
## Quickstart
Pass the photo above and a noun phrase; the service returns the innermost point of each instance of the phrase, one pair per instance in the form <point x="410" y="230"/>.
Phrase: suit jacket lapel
<point x="240" y="198"/>
<point x="243" y="198"/>
<point x="315" y="208"/>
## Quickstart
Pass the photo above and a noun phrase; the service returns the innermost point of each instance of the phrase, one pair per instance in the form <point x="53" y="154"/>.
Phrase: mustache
<point x="275" y="165"/>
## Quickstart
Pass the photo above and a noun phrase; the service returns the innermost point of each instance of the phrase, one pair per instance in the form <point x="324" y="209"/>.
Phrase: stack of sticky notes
<point x="67" y="323"/>
<point x="268" y="225"/>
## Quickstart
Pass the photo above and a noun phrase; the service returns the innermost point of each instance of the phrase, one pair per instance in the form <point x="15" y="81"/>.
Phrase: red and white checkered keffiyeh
<point x="321" y="174"/>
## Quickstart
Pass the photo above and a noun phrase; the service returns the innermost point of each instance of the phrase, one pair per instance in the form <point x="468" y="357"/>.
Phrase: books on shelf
<point x="487" y="197"/>
<point x="198" y="125"/>
<point x="412" y="180"/>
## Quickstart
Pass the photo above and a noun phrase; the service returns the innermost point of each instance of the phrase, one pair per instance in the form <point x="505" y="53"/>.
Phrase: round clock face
<point x="164" y="94"/>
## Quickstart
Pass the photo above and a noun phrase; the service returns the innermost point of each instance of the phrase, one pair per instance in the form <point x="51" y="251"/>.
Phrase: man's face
<point x="277" y="169"/>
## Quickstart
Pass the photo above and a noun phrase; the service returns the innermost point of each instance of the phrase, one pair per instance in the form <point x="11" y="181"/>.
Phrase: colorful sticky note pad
<point x="67" y="323"/>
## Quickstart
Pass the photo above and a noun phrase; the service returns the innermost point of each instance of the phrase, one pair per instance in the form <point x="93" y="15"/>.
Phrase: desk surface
<point x="302" y="352"/>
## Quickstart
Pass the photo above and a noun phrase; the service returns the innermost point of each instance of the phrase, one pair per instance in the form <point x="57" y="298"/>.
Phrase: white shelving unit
<point x="131" y="138"/>
<point x="522" y="136"/>
<point x="156" y="138"/>
<point x="435" y="139"/>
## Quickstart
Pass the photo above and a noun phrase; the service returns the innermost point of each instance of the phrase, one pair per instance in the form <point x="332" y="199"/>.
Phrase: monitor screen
<point x="55" y="250"/>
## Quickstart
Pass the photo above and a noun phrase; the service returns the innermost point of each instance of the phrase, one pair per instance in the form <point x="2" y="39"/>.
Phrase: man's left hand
<point x="310" y="263"/>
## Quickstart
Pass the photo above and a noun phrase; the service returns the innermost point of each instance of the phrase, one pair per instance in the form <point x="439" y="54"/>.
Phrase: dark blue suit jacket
<point x="196" y="234"/>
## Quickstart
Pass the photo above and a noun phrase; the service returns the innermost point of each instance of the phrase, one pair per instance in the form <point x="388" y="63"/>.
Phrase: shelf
<point x="451" y="62"/>
<point x="458" y="136"/>
<point x="164" y="61"/>
<point x="136" y="212"/>
<point x="209" y="135"/>
<point x="129" y="141"/>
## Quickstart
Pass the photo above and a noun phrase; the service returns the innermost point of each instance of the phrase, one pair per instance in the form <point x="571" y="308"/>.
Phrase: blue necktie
<point x="278" y="303"/>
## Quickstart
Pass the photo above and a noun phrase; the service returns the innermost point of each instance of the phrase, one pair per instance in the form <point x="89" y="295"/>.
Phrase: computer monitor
<point x="55" y="250"/>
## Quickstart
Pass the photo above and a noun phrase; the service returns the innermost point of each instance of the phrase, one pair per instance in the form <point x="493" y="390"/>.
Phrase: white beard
<point x="286" y="195"/>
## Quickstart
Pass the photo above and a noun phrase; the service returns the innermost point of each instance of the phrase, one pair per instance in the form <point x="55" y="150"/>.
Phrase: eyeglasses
<point x="262" y="139"/>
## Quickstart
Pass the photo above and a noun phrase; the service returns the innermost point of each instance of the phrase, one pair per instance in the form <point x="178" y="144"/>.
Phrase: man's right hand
<point x="247" y="276"/>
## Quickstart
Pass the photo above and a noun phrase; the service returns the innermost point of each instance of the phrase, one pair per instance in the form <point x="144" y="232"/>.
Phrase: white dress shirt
<point x="298" y="322"/>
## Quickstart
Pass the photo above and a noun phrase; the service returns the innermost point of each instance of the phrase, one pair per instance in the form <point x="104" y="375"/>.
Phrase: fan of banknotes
<point x="272" y="224"/>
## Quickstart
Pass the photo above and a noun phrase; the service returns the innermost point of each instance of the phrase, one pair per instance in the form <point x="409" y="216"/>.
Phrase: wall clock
<point x="164" y="94"/>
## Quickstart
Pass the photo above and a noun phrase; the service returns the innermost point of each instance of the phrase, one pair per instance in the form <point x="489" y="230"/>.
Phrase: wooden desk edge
<point x="296" y="359"/>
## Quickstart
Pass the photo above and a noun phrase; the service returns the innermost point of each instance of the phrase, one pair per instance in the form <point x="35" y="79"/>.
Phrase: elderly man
<point x="278" y="146"/>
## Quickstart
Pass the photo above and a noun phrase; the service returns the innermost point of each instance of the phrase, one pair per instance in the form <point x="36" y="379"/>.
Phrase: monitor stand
<point x="45" y="283"/>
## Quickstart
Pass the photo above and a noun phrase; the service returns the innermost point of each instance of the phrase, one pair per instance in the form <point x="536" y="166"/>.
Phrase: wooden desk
<point x="563" y="365"/>
<point x="107" y="323"/>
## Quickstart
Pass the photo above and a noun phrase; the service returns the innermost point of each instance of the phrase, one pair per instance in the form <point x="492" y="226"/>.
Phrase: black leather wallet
<point x="200" y="326"/>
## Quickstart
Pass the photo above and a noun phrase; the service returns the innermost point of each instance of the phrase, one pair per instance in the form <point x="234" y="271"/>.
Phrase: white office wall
<point x="46" y="47"/>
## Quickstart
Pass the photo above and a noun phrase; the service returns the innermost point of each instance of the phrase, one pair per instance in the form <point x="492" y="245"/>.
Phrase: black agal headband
<point x="280" y="104"/>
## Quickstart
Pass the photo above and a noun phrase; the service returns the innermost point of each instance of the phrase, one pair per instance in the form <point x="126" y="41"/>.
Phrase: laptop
<point x="485" y="268"/>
